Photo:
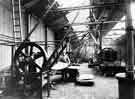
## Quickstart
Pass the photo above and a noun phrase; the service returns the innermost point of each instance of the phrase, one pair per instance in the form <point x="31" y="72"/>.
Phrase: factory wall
<point x="5" y="29"/>
<point x="6" y="21"/>
<point x="6" y="33"/>
<point x="39" y="33"/>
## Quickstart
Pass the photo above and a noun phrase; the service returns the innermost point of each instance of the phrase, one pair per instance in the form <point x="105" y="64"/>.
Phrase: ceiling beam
<point x="89" y="7"/>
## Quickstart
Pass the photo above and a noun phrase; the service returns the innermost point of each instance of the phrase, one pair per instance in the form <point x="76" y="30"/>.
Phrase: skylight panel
<point x="118" y="33"/>
<point x="82" y="16"/>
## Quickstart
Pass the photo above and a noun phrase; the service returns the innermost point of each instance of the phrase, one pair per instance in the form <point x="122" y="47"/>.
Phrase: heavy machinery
<point x="109" y="62"/>
<point x="107" y="54"/>
<point x="30" y="63"/>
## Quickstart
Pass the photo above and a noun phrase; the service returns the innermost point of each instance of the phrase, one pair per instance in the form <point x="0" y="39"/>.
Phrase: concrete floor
<point x="103" y="88"/>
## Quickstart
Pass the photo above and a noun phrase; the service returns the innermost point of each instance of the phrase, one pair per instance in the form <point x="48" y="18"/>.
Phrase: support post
<point x="126" y="81"/>
<point x="27" y="24"/>
<point x="100" y="37"/>
<point x="12" y="61"/>
<point x="130" y="42"/>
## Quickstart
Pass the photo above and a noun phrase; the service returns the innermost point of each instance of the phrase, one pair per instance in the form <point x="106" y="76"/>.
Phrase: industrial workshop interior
<point x="67" y="49"/>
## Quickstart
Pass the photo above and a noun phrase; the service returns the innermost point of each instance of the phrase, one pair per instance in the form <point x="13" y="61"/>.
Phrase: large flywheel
<point x="29" y="60"/>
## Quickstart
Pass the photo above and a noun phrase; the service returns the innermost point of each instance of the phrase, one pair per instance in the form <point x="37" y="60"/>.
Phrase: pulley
<point x="29" y="60"/>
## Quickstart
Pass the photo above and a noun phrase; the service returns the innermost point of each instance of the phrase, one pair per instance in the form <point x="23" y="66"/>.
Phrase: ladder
<point x="16" y="15"/>
<point x="16" y="19"/>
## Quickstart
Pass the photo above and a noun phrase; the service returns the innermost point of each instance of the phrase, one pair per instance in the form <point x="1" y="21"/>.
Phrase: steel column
<point x="130" y="42"/>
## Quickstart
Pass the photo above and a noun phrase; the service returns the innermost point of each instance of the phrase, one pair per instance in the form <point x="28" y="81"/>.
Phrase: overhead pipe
<point x="103" y="30"/>
<point x="99" y="22"/>
<point x="89" y="7"/>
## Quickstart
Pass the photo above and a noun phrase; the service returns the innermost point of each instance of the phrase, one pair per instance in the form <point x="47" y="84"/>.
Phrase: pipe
<point x="88" y="7"/>
<point x="99" y="22"/>
<point x="104" y="30"/>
